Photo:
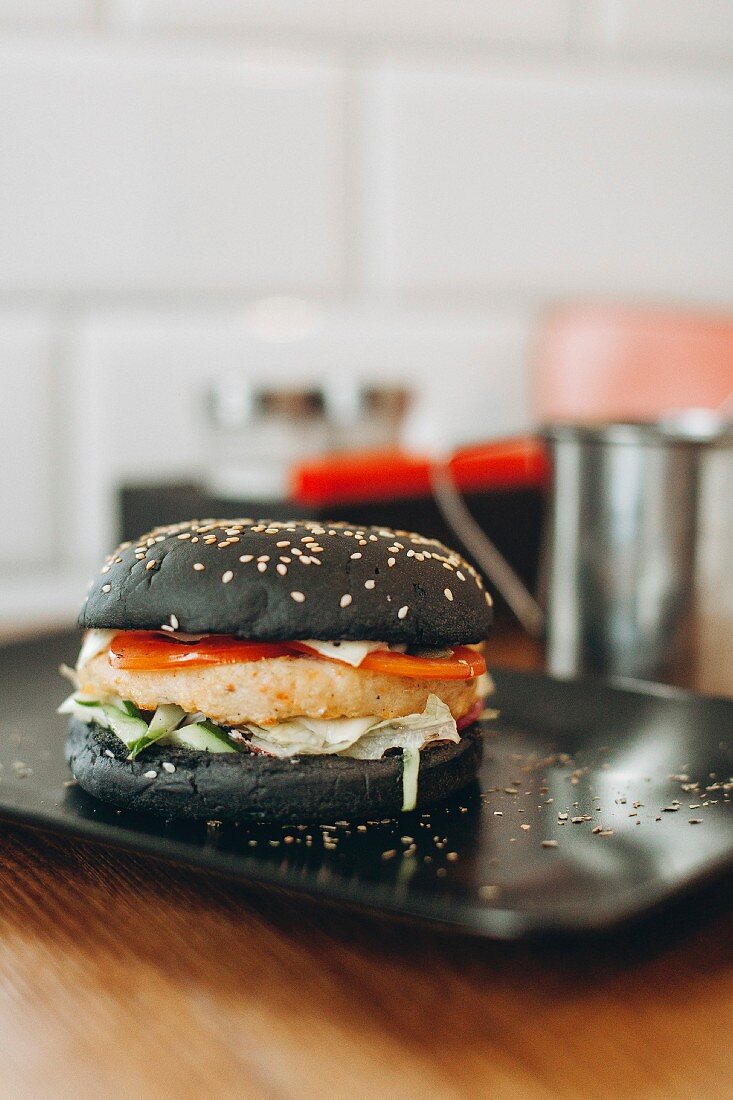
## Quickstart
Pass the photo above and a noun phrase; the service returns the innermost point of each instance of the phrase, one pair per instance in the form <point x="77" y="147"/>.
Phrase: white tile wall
<point x="681" y="28"/>
<point x="27" y="436"/>
<point x="167" y="168"/>
<point x="141" y="383"/>
<point x="54" y="13"/>
<point x="557" y="182"/>
<point x="399" y="23"/>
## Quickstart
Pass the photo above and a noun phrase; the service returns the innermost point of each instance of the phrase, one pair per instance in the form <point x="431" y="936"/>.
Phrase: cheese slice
<point x="351" y="653"/>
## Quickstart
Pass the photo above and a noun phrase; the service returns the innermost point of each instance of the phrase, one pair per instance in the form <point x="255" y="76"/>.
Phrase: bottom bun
<point x="252" y="787"/>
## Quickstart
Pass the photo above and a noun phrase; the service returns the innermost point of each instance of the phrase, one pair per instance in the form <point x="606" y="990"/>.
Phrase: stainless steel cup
<point x="620" y="548"/>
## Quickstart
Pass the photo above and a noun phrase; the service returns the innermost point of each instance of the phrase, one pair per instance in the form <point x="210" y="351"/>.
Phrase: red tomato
<point x="147" y="650"/>
<point x="150" y="651"/>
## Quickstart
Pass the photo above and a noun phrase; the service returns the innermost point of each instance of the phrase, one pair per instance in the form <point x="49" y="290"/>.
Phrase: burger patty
<point x="275" y="689"/>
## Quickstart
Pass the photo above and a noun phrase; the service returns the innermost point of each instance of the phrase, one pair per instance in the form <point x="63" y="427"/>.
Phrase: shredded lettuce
<point x="94" y="643"/>
<point x="413" y="731"/>
<point x="308" y="736"/>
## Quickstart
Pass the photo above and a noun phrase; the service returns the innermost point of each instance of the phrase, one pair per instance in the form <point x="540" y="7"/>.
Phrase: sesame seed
<point x="165" y="626"/>
<point x="151" y="565"/>
<point x="264" y="557"/>
<point x="345" y="600"/>
<point x="282" y="569"/>
<point x="246" y="557"/>
<point x="488" y="598"/>
<point x="402" y="612"/>
<point x="369" y="584"/>
<point x="391" y="562"/>
<point x="174" y="622"/>
<point x="150" y="775"/>
<point x="284" y="542"/>
<point x="226" y="577"/>
<point x="354" y="557"/>
<point x="261" y="566"/>
<point x="447" y="593"/>
<point x="460" y="575"/>
<point x="298" y="597"/>
<point x="106" y="587"/>
<point x="199" y="566"/>
<point x="411" y="553"/>
<point x="297" y="551"/>
<point x="168" y="767"/>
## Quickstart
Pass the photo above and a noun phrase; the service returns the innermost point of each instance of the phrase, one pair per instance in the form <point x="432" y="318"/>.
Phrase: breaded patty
<point x="275" y="689"/>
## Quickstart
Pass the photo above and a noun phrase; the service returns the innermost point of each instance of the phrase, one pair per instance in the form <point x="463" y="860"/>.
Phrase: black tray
<point x="646" y="768"/>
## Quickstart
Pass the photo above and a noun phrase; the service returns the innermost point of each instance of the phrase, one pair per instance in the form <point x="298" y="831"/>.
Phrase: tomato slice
<point x="463" y="664"/>
<point x="149" y="651"/>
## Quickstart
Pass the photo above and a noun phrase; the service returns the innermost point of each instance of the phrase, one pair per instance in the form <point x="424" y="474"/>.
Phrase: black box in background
<point x="512" y="518"/>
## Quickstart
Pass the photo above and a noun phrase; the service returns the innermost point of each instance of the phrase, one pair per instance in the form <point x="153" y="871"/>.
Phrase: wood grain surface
<point x="125" y="977"/>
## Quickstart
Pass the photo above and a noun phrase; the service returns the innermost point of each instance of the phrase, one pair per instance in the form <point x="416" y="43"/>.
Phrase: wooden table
<point x="123" y="977"/>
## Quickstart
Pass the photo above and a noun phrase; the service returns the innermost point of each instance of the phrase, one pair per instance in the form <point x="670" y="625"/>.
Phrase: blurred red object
<point x="616" y="363"/>
<point x="518" y="463"/>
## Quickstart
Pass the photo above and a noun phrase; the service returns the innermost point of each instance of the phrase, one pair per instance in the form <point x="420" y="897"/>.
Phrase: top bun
<point x="277" y="580"/>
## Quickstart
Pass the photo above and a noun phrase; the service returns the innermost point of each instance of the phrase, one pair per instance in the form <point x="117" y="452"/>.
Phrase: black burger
<point x="283" y="671"/>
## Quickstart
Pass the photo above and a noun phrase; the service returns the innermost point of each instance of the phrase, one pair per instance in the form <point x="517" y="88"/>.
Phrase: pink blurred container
<point x="606" y="363"/>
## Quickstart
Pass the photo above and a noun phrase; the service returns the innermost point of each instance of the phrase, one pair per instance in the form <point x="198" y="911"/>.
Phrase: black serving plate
<point x="645" y="770"/>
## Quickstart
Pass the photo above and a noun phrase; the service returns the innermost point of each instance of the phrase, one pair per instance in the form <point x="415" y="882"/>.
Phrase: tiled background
<point x="426" y="176"/>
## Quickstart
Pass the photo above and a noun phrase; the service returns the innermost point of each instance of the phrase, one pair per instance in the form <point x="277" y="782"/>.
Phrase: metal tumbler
<point x="620" y="548"/>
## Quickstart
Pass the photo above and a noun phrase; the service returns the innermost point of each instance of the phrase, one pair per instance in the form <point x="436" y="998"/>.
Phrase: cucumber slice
<point x="127" y="728"/>
<point x="165" y="719"/>
<point x="131" y="709"/>
<point x="203" y="735"/>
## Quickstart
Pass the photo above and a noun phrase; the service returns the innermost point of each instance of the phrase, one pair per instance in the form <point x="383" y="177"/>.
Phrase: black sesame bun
<point x="247" y="787"/>
<point x="278" y="580"/>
